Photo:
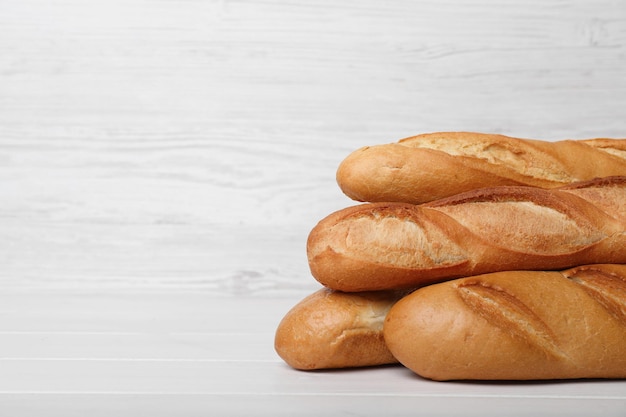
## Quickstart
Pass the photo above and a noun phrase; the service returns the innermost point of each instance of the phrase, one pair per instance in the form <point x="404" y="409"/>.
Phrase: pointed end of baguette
<point x="330" y="329"/>
<point x="382" y="246"/>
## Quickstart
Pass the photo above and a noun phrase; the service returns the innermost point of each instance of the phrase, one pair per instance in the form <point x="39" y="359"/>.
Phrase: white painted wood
<point x="63" y="353"/>
<point x="162" y="162"/>
<point x="139" y="138"/>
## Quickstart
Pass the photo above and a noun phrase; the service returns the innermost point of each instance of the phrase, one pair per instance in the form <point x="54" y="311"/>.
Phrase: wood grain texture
<point x="133" y="134"/>
<point x="128" y="353"/>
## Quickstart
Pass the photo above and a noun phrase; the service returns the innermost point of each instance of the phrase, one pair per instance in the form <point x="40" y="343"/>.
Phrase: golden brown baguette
<point x="515" y="325"/>
<point x="376" y="246"/>
<point x="330" y="329"/>
<point x="436" y="165"/>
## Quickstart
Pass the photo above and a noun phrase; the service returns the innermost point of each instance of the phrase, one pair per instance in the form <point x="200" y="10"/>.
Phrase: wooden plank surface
<point x="66" y="353"/>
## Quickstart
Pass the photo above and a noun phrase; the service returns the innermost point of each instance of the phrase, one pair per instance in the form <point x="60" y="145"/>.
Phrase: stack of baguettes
<point x="475" y="256"/>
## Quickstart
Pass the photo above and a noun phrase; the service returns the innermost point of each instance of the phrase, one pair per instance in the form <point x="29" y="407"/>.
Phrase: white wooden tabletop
<point x="162" y="162"/>
<point x="77" y="353"/>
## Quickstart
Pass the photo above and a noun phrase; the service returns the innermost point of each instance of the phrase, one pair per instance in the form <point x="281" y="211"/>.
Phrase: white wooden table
<point x="162" y="162"/>
<point x="129" y="353"/>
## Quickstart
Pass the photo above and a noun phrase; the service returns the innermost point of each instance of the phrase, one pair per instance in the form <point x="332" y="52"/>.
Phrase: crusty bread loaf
<point x="437" y="165"/>
<point x="377" y="246"/>
<point x="330" y="329"/>
<point x="515" y="325"/>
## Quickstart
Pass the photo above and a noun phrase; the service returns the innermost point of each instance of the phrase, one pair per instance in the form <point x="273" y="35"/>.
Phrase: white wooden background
<point x="162" y="162"/>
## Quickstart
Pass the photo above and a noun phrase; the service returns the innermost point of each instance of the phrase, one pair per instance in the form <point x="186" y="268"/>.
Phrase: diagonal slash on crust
<point x="505" y="311"/>
<point x="606" y="288"/>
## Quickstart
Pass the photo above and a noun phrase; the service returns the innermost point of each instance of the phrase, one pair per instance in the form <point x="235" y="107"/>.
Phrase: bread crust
<point x="330" y="329"/>
<point x="378" y="246"/>
<point x="515" y="325"/>
<point x="431" y="166"/>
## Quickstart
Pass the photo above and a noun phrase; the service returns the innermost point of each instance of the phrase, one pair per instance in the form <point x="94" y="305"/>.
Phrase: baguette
<point x="376" y="246"/>
<point x="330" y="329"/>
<point x="515" y="325"/>
<point x="436" y="165"/>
